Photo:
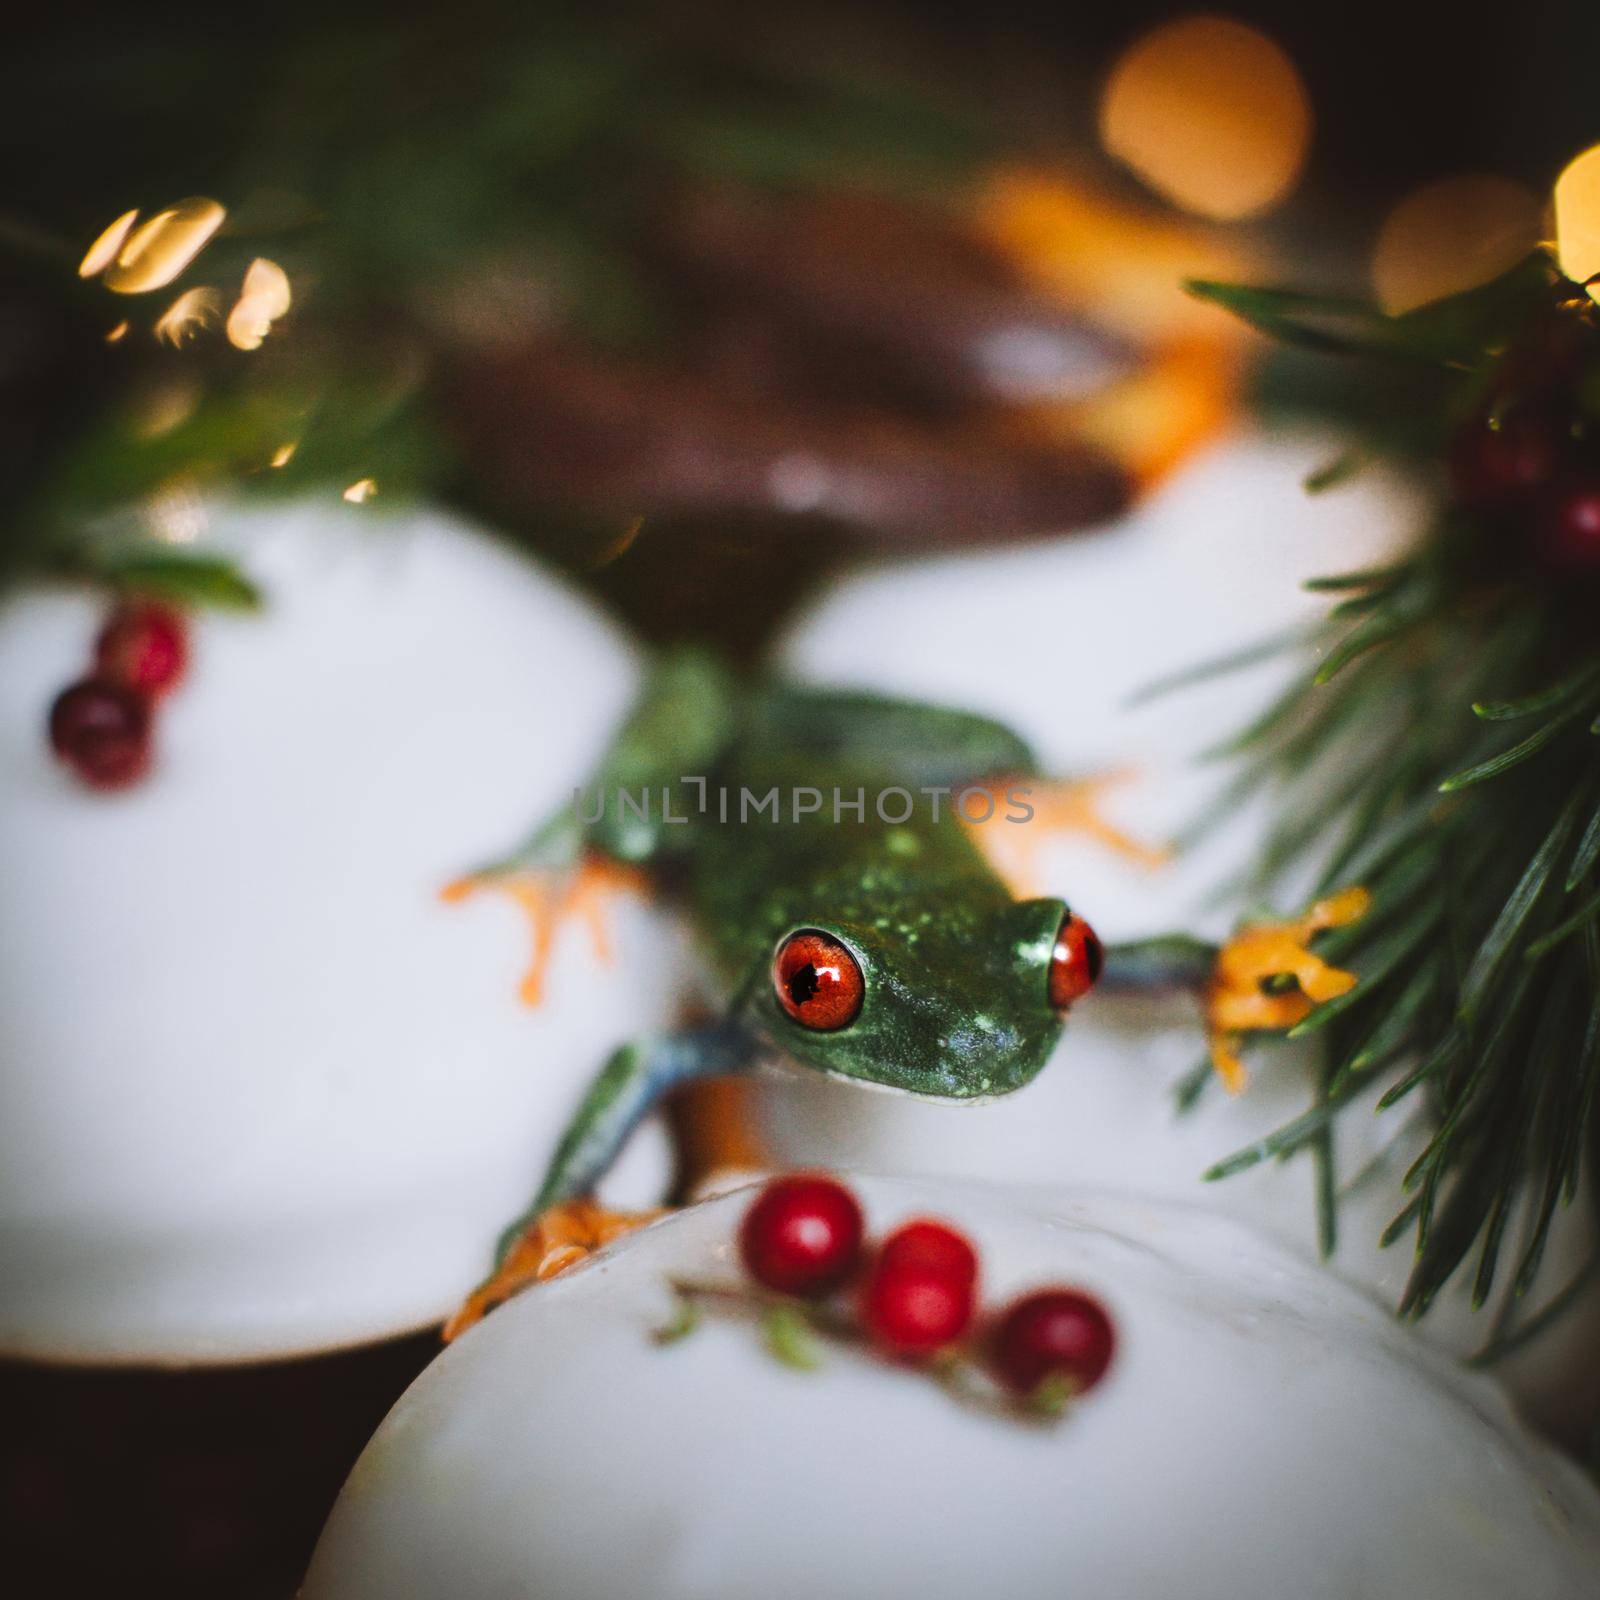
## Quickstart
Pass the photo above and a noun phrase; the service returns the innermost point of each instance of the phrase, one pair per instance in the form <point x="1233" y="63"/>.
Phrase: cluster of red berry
<point x="100" y="726"/>
<point x="916" y="1293"/>
<point x="1528" y="455"/>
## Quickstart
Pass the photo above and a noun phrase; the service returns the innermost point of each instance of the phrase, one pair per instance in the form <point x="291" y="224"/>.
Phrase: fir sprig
<point x="1441" y="750"/>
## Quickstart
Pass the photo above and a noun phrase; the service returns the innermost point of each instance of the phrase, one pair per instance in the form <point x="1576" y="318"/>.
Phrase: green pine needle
<point x="1367" y="579"/>
<point x="1586" y="855"/>
<point x="1506" y="760"/>
<point x="1478" y="964"/>
<point x="1341" y="469"/>
<point x="1186" y="1092"/>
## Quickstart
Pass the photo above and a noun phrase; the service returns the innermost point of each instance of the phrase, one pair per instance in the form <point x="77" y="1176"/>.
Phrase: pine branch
<point x="1442" y="752"/>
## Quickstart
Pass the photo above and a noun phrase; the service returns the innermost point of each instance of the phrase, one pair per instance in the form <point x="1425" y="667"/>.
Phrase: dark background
<point x="1402" y="92"/>
<point x="215" y="1483"/>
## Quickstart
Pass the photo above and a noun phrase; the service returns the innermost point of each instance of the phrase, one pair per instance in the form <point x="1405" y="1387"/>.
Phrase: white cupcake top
<point x="261" y="1091"/>
<point x="1264" y="1430"/>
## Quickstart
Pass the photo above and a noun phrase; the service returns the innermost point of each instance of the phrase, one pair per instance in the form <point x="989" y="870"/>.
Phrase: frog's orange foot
<point x="1238" y="1000"/>
<point x="554" y="1241"/>
<point x="1058" y="807"/>
<point x="551" y="898"/>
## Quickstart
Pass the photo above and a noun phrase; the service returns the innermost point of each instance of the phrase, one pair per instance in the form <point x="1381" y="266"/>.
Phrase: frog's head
<point x="940" y="1001"/>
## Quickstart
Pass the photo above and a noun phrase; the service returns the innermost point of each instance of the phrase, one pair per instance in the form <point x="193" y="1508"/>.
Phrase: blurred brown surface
<point x="910" y="297"/>
<point x="545" y="424"/>
<point x="210" y="1482"/>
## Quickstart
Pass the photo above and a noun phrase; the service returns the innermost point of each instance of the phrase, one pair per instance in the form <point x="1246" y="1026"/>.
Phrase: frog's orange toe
<point x="597" y="880"/>
<point x="1225" y="1062"/>
<point x="547" y="899"/>
<point x="554" y="1241"/>
<point x="1237" y="1000"/>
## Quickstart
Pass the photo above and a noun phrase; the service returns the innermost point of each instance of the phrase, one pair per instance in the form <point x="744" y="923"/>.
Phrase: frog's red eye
<point x="1074" y="963"/>
<point x="817" y="981"/>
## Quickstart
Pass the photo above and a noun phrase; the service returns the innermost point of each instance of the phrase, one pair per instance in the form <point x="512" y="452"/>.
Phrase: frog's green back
<point x="761" y="872"/>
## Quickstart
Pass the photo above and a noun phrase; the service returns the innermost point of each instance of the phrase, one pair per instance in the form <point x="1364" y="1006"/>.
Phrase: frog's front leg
<point x="619" y="825"/>
<point x="627" y="1088"/>
<point x="1265" y="978"/>
<point x="564" y="1222"/>
<point x="1169" y="963"/>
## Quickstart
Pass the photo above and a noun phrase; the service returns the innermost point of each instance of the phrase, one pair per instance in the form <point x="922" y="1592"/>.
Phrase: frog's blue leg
<point x="565" y="1223"/>
<point x="628" y="1086"/>
<point x="1150" y="966"/>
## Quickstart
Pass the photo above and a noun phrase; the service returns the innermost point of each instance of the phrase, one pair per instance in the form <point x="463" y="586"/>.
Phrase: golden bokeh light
<point x="284" y="454"/>
<point x="1452" y="236"/>
<point x="104" y="250"/>
<point x="1211" y="114"/>
<point x="264" y="298"/>
<point x="1577" y="214"/>
<point x="159" y="249"/>
<point x="360" y="491"/>
<point x="117" y="334"/>
<point x="192" y="311"/>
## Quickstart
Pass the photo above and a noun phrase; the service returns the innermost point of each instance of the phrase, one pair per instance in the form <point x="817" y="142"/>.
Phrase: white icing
<point x="260" y="1091"/>
<point x="1264" y="1430"/>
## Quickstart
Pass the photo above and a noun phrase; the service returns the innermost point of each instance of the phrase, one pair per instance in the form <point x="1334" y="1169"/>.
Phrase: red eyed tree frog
<point x="849" y="921"/>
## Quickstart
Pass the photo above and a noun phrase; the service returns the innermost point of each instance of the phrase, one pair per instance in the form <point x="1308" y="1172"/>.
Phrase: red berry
<point x="102" y="731"/>
<point x="1075" y="962"/>
<point x="802" y="1235"/>
<point x="1570" y="530"/>
<point x="1053" y="1333"/>
<point x="914" y="1310"/>
<point x="1493" y="467"/>
<point x="143" y="647"/>
<point x="930" y="1246"/>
